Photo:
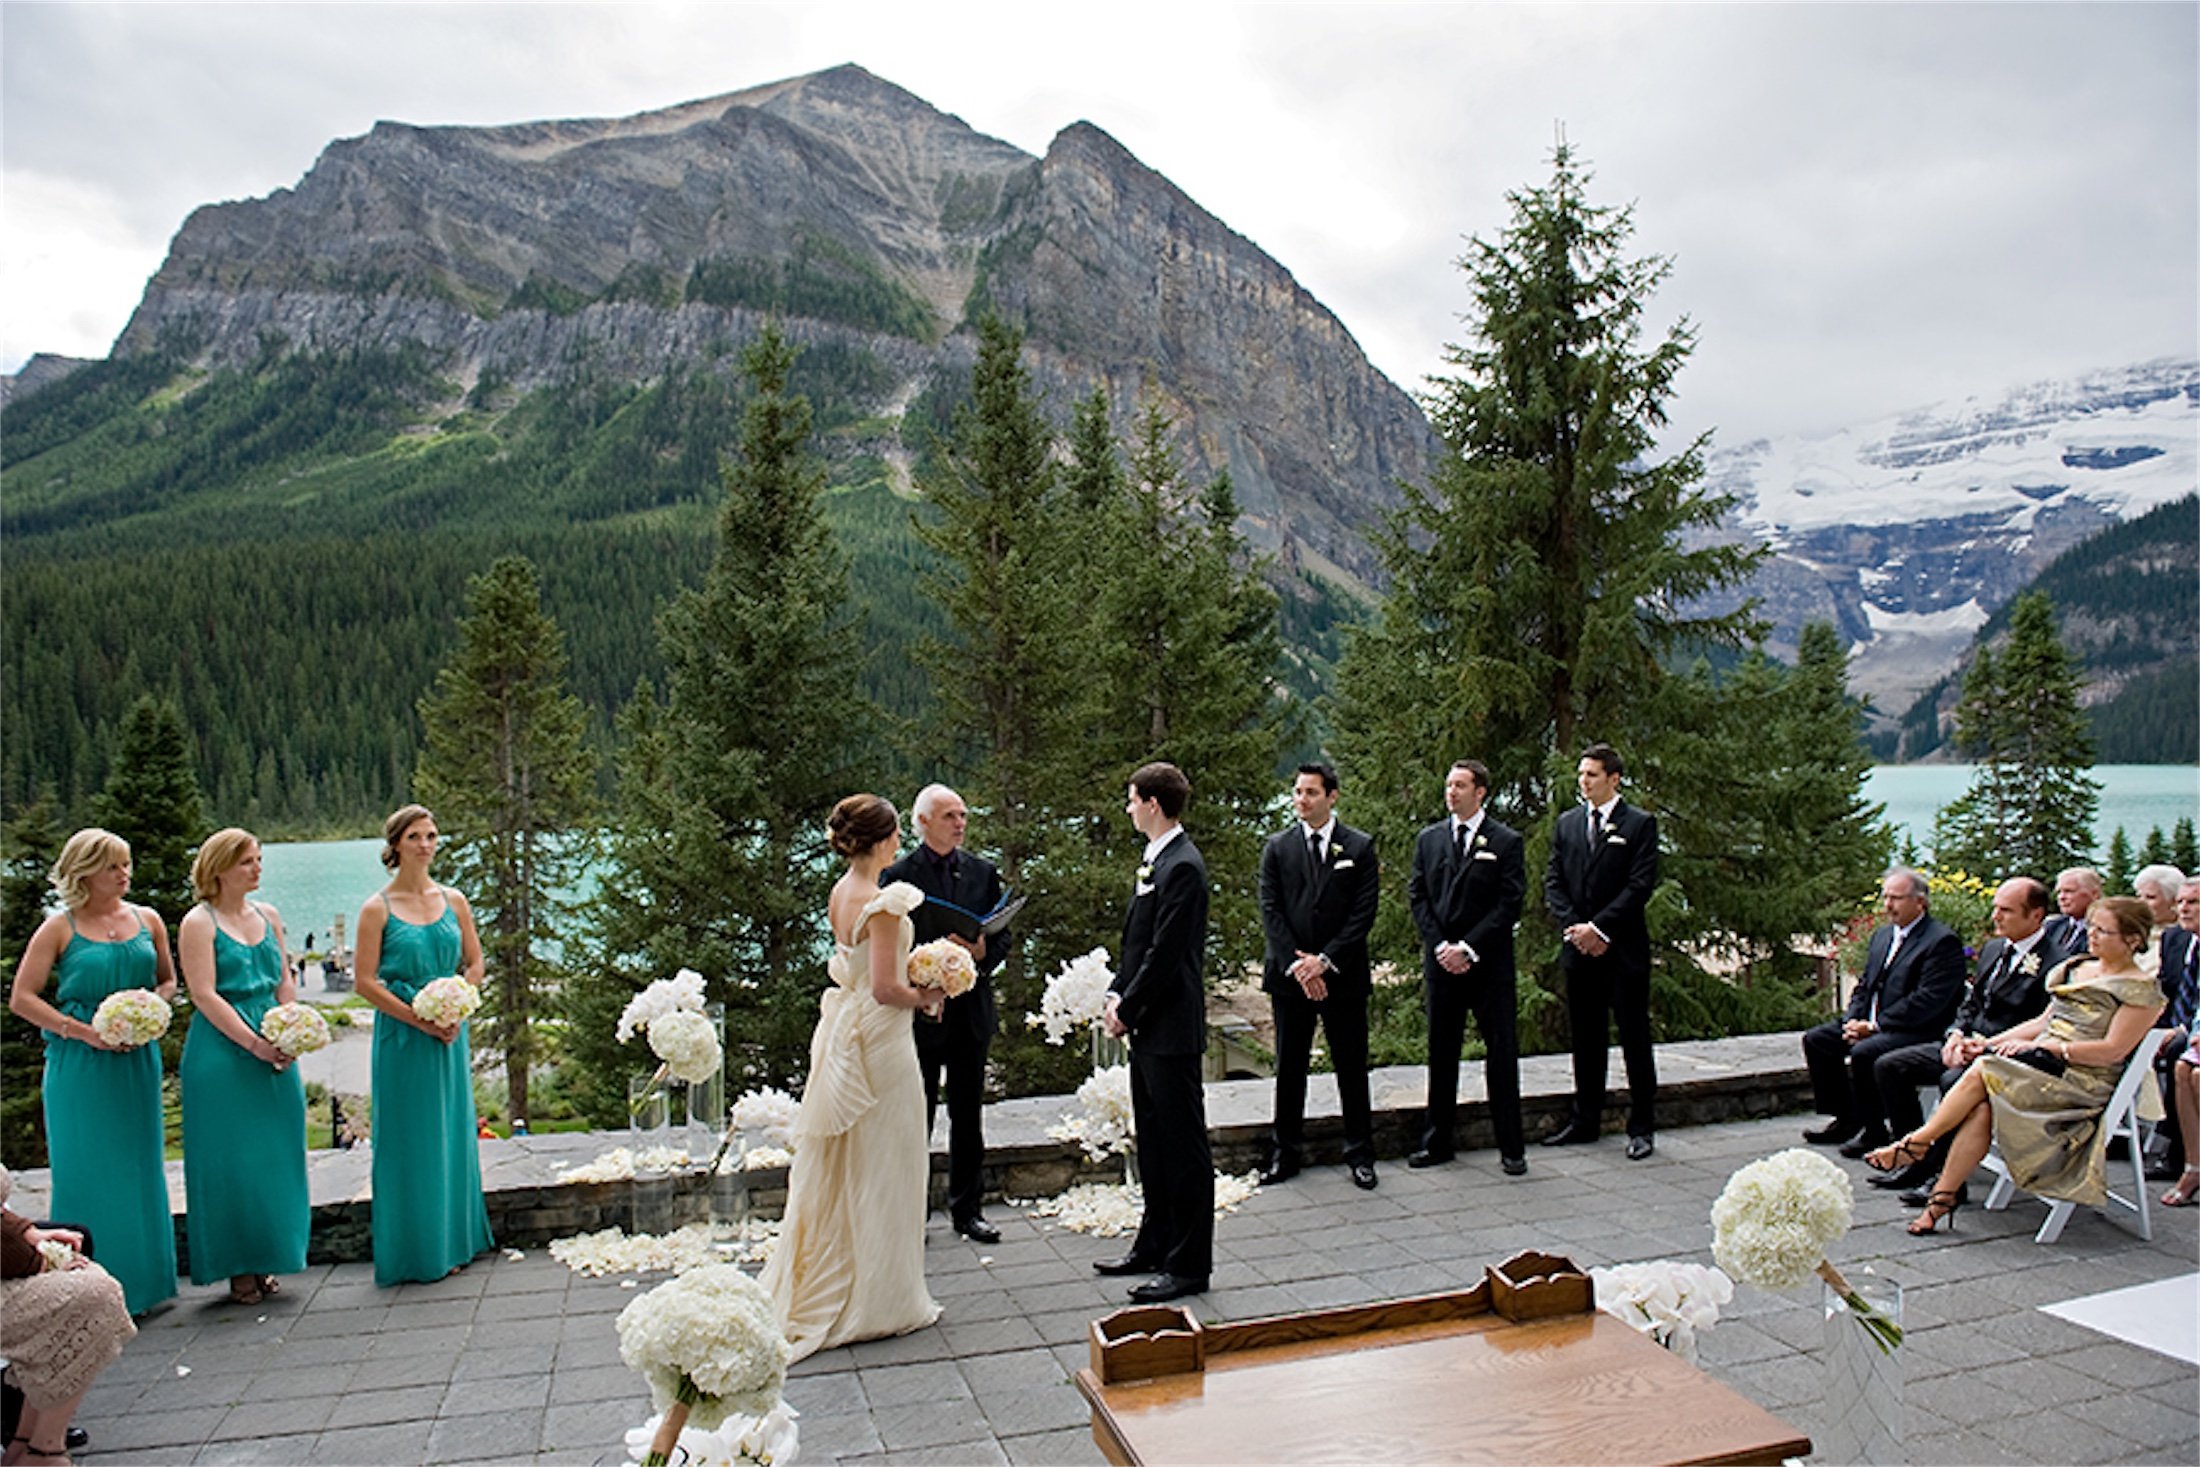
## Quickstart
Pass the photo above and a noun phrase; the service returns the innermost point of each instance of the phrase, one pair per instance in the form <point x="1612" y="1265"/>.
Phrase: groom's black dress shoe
<point x="977" y="1230"/>
<point x="1515" y="1166"/>
<point x="1834" y="1134"/>
<point x="1161" y="1288"/>
<point x="1363" y="1175"/>
<point x="1129" y="1263"/>
<point x="1282" y="1169"/>
<point x="1639" y="1147"/>
<point x="1570" y="1135"/>
<point x="1428" y="1156"/>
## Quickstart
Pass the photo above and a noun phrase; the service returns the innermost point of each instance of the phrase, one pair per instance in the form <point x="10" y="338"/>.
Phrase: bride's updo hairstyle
<point x="861" y="822"/>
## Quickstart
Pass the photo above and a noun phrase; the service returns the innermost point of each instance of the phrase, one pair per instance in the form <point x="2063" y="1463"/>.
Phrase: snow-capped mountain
<point x="1908" y="532"/>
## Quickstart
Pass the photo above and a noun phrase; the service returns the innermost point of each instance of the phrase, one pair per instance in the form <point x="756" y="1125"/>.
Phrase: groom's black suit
<point x="1328" y="911"/>
<point x="1476" y="900"/>
<point x="1162" y="1000"/>
<point x="958" y="1043"/>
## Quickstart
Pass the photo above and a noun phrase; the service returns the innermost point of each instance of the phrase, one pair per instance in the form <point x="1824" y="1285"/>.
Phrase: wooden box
<point x="1140" y="1344"/>
<point x="1532" y="1285"/>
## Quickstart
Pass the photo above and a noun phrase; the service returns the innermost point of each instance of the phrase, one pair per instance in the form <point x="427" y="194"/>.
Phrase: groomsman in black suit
<point x="1604" y="865"/>
<point x="1470" y="876"/>
<point x="957" y="1044"/>
<point x="1318" y="892"/>
<point x="1159" y="999"/>
<point x="2008" y="986"/>
<point x="1912" y="983"/>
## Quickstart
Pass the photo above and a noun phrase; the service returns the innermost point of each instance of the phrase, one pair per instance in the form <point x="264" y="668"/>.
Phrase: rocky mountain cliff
<point x="528" y="254"/>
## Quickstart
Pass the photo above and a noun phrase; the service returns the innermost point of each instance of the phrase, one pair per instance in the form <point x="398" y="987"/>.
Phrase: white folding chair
<point x="2120" y="1119"/>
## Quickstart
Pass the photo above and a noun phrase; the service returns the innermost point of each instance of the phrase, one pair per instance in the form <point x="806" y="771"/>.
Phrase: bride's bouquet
<point x="446" y="1002"/>
<point x="131" y="1017"/>
<point x="295" y="1029"/>
<point x="944" y="965"/>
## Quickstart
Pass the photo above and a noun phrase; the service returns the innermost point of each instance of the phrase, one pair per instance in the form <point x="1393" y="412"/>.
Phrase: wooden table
<point x="1406" y="1383"/>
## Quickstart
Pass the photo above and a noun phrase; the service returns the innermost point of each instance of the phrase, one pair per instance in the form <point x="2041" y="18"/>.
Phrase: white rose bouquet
<point x="1671" y="1302"/>
<point x="1074" y="998"/>
<point x="709" y="1346"/>
<point x="943" y="965"/>
<point x="1773" y="1222"/>
<point x="131" y="1017"/>
<point x="446" y="1002"/>
<point x="295" y="1028"/>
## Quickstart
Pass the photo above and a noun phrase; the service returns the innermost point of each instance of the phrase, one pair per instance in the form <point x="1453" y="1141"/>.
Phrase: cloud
<point x="71" y="267"/>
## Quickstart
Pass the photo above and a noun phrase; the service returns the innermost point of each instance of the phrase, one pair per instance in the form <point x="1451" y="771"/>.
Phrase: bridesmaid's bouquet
<point x="943" y="965"/>
<point x="132" y="1017"/>
<point x="710" y="1347"/>
<point x="447" y="1002"/>
<point x="295" y="1029"/>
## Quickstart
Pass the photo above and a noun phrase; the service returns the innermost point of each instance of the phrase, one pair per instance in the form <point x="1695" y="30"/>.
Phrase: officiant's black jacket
<point x="1160" y="992"/>
<point x="975" y="886"/>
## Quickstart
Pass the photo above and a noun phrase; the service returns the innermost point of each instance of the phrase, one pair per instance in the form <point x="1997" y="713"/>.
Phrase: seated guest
<point x="2077" y="888"/>
<point x="2185" y="1075"/>
<point x="1912" y="982"/>
<point x="59" y="1329"/>
<point x="2157" y="887"/>
<point x="2041" y="1087"/>
<point x="2179" y="975"/>
<point x="2008" y="987"/>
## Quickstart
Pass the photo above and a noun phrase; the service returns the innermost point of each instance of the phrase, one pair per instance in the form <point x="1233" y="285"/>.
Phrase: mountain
<point x="1909" y="532"/>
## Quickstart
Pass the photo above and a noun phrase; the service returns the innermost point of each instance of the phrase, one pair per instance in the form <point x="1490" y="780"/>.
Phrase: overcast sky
<point x="1870" y="207"/>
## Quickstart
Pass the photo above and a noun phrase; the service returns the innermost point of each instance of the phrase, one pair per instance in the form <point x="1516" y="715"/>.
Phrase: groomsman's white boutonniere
<point x="2029" y="964"/>
<point x="1145" y="874"/>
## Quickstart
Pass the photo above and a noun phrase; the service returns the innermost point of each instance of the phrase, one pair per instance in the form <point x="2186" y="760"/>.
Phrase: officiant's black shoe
<point x="1871" y="1140"/>
<point x="1363" y="1175"/>
<point x="1426" y="1157"/>
<point x="1570" y="1135"/>
<point x="1161" y="1288"/>
<point x="1834" y="1134"/>
<point x="977" y="1230"/>
<point x="1129" y="1263"/>
<point x="1279" y="1169"/>
<point x="1641" y="1147"/>
<point x="1514" y="1166"/>
<point x="1920" y="1195"/>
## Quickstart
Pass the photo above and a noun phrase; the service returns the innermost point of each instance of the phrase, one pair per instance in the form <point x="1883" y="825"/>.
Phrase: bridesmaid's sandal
<point x="270" y="1286"/>
<point x="1939" y="1205"/>
<point x="251" y="1293"/>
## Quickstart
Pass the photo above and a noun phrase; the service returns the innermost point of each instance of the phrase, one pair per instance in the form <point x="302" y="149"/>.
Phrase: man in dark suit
<point x="2008" y="986"/>
<point x="1318" y="893"/>
<point x="1604" y="865"/>
<point x="1912" y="983"/>
<point x="1159" y="999"/>
<point x="957" y="1044"/>
<point x="2180" y="979"/>
<point x="2077" y="888"/>
<point x="1469" y="879"/>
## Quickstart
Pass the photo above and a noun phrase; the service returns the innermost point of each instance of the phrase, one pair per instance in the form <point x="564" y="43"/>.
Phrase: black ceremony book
<point x="968" y="925"/>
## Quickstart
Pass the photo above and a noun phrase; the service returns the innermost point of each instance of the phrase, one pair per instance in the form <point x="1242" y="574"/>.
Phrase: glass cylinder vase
<point x="1106" y="1052"/>
<point x="706" y="1099"/>
<point x="649" y="1127"/>
<point x="1865" y="1365"/>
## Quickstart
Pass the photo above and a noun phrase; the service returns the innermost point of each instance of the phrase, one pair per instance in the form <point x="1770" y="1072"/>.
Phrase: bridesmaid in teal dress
<point x="244" y="1106"/>
<point x="429" y="1217"/>
<point x="103" y="1121"/>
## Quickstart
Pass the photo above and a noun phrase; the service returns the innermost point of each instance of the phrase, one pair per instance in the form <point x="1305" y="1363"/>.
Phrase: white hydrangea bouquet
<point x="1074" y="998"/>
<point x="446" y="1002"/>
<point x="944" y="965"/>
<point x="770" y="1440"/>
<point x="709" y="1346"/>
<point x="1773" y="1222"/>
<point x="1103" y="1128"/>
<point x="670" y="1013"/>
<point x="1669" y="1301"/>
<point x="131" y="1017"/>
<point x="295" y="1028"/>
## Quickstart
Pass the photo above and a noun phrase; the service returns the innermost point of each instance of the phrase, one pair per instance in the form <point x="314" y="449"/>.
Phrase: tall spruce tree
<point x="29" y="841"/>
<point x="151" y="800"/>
<point x="507" y="768"/>
<point x="1548" y="575"/>
<point x="2117" y="866"/>
<point x="717" y="855"/>
<point x="2029" y="809"/>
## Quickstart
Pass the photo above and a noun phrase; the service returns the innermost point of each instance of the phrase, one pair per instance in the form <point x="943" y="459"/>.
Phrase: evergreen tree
<point x="2118" y="868"/>
<point x="1543" y="579"/>
<point x="508" y="770"/>
<point x="2184" y="851"/>
<point x="2154" y="850"/>
<point x="2030" y="806"/>
<point x="29" y="841"/>
<point x="151" y="800"/>
<point x="718" y="860"/>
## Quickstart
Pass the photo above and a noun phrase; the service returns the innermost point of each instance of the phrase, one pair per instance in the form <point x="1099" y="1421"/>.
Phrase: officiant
<point x="956" y="1046"/>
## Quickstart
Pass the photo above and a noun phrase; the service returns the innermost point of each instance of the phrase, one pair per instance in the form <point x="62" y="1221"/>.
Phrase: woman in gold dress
<point x="2040" y="1088"/>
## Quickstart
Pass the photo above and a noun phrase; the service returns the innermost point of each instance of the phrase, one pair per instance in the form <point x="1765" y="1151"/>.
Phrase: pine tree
<point x="507" y="768"/>
<point x="718" y="859"/>
<point x="2117" y="868"/>
<point x="2029" y="809"/>
<point x="2154" y="850"/>
<point x="2184" y="851"/>
<point x="151" y="800"/>
<point x="29" y="841"/>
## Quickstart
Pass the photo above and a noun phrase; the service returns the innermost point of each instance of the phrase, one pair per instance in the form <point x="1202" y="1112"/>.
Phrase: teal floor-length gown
<point x="429" y="1216"/>
<point x="103" y="1123"/>
<point x="244" y="1131"/>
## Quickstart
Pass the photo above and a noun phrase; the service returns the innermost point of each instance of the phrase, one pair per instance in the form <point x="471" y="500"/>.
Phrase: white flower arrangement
<point x="767" y="1118"/>
<point x="1074" y="998"/>
<point x="1670" y="1302"/>
<point x="295" y="1029"/>
<point x="623" y="1163"/>
<point x="54" y="1255"/>
<point x="446" y="1002"/>
<point x="1104" y="1127"/>
<point x="613" y="1251"/>
<point x="1774" y="1220"/>
<point x="943" y="965"/>
<point x="682" y="992"/>
<point x="770" y="1440"/>
<point x="1111" y="1209"/>
<point x="710" y="1347"/>
<point x="765" y="1158"/>
<point x="688" y="1044"/>
<point x="130" y="1018"/>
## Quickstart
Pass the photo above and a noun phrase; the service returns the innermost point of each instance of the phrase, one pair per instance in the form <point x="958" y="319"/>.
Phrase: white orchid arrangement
<point x="770" y="1440"/>
<point x="1074" y="998"/>
<point x="1669" y="1301"/>
<point x="710" y="1347"/>
<point x="131" y="1018"/>
<point x="1773" y="1222"/>
<point x="682" y="992"/>
<point x="295" y="1029"/>
<point x="1103" y="1128"/>
<point x="767" y="1117"/>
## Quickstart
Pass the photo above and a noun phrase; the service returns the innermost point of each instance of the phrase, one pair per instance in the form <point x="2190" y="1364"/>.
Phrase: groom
<point x="1158" y="998"/>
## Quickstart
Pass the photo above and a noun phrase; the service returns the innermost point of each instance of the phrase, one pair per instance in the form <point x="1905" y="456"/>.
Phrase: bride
<point x="850" y="1260"/>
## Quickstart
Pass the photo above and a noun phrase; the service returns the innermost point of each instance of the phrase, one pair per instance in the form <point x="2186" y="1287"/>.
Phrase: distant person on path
<point x="104" y="1135"/>
<point x="1318" y="892"/>
<point x="957" y="1044"/>
<point x="1604" y="865"/>
<point x="244" y="1104"/>
<point x="1470" y="876"/>
<point x="1159" y="1000"/>
<point x="429" y="1218"/>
